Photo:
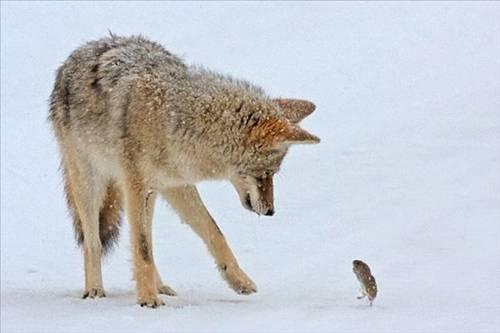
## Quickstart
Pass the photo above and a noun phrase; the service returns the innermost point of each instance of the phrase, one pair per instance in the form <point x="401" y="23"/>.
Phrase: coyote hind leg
<point x="86" y="191"/>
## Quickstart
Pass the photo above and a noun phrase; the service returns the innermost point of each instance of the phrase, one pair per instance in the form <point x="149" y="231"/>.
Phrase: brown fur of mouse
<point x="366" y="279"/>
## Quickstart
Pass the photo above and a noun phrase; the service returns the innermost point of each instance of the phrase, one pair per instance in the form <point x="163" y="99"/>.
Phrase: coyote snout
<point x="256" y="193"/>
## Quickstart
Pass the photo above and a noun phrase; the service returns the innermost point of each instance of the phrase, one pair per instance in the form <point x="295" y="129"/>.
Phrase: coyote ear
<point x="275" y="132"/>
<point x="300" y="136"/>
<point x="295" y="109"/>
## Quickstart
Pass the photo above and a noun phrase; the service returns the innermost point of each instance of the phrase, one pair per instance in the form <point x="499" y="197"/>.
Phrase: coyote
<point x="134" y="122"/>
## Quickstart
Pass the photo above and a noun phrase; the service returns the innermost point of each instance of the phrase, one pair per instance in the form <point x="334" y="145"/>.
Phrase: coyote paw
<point x="150" y="302"/>
<point x="166" y="290"/>
<point x="93" y="293"/>
<point x="238" y="280"/>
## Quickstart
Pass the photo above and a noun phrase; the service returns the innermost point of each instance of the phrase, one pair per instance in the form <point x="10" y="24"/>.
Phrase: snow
<point x="406" y="177"/>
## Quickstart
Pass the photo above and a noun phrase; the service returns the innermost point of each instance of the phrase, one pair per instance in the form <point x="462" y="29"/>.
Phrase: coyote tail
<point x="109" y="215"/>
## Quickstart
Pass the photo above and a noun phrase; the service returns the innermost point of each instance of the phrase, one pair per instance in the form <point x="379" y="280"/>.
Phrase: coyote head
<point x="266" y="144"/>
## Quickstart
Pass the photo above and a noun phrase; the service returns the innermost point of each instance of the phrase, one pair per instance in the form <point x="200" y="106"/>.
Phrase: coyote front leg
<point x="150" y="205"/>
<point x="139" y="209"/>
<point x="186" y="201"/>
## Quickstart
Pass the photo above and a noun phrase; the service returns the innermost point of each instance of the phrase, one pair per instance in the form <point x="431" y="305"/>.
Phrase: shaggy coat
<point x="133" y="121"/>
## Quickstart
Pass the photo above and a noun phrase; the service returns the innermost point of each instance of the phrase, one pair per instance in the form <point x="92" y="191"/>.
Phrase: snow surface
<point x="406" y="176"/>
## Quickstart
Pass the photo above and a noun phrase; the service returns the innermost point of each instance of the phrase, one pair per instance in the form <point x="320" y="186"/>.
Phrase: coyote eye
<point x="267" y="174"/>
<point x="260" y="179"/>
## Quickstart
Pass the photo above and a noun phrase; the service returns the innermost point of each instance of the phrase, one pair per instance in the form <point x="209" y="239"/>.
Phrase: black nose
<point x="270" y="212"/>
<point x="248" y="202"/>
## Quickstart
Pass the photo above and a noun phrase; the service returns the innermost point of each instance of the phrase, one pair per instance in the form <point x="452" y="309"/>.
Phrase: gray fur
<point x="131" y="118"/>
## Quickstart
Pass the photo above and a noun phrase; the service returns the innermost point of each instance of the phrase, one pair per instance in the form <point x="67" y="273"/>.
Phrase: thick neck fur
<point x="212" y="118"/>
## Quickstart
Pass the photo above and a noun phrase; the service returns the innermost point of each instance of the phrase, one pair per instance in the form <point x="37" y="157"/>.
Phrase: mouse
<point x="366" y="279"/>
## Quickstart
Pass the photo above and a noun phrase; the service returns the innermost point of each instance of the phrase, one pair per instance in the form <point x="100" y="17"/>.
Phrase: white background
<point x="406" y="176"/>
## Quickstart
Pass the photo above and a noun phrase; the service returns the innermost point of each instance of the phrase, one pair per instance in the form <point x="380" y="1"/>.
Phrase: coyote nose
<point x="270" y="212"/>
